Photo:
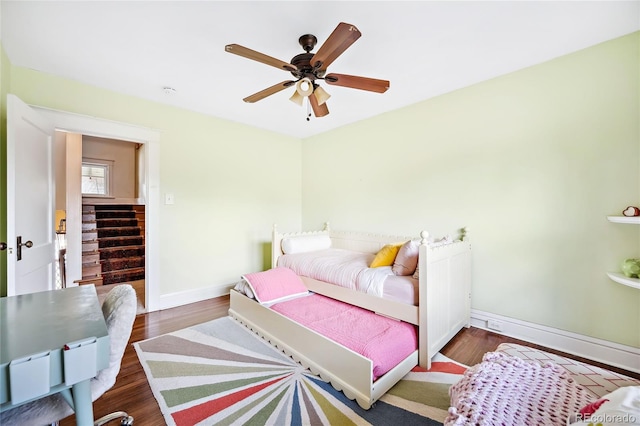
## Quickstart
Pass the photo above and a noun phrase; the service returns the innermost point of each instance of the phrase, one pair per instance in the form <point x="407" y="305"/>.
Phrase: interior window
<point x="95" y="178"/>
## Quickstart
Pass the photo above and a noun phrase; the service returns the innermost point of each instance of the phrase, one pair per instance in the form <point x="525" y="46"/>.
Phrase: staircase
<point x="112" y="244"/>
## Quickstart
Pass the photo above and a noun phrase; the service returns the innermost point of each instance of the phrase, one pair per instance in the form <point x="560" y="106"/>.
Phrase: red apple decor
<point x="631" y="211"/>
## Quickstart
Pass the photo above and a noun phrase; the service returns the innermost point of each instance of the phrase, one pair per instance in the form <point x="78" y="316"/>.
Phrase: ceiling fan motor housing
<point x="303" y="61"/>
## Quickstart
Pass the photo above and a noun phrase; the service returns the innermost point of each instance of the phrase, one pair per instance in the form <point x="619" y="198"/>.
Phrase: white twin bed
<point x="434" y="301"/>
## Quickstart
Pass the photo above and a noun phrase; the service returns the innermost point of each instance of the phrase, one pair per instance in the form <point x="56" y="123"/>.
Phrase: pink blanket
<point x="384" y="341"/>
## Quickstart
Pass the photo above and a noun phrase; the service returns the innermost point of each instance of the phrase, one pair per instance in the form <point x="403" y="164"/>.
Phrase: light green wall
<point x="532" y="162"/>
<point x="230" y="182"/>
<point x="5" y="74"/>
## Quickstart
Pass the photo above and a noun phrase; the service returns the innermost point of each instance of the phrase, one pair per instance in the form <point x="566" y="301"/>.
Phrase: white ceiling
<point x="425" y="48"/>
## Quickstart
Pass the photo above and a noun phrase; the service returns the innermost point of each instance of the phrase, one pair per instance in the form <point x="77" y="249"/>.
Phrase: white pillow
<point x="243" y="287"/>
<point x="305" y="243"/>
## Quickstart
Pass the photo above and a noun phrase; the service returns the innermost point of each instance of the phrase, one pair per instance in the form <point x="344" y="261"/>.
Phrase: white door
<point x="30" y="200"/>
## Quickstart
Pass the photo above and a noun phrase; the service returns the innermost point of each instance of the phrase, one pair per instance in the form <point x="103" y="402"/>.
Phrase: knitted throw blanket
<point x="505" y="390"/>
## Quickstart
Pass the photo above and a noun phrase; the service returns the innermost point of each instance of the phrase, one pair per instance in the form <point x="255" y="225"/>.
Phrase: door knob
<point x="19" y="245"/>
<point x="3" y="245"/>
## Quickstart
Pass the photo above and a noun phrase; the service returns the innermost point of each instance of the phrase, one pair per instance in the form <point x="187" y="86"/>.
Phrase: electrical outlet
<point x="494" y="325"/>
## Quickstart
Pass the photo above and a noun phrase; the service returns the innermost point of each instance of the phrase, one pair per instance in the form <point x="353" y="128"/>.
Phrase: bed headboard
<point x="364" y="242"/>
<point x="355" y="241"/>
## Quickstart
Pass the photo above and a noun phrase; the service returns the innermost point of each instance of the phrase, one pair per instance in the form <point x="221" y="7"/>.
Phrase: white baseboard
<point x="610" y="353"/>
<point x="173" y="300"/>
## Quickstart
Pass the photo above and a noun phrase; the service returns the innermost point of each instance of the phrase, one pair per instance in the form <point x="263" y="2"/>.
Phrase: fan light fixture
<point x="304" y="88"/>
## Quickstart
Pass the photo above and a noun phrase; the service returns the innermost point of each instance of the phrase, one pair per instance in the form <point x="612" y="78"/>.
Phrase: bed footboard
<point x="445" y="295"/>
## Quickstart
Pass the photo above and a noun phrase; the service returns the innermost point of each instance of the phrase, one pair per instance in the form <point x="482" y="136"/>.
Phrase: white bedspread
<point x="371" y="280"/>
<point x="345" y="268"/>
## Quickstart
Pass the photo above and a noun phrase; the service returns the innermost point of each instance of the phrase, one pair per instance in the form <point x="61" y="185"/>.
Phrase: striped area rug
<point x="220" y="373"/>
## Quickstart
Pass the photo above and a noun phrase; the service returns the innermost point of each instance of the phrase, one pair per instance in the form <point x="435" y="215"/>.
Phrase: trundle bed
<point x="440" y="310"/>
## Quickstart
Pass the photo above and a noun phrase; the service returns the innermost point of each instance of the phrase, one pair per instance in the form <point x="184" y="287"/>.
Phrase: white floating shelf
<point x="624" y="219"/>
<point x="623" y="279"/>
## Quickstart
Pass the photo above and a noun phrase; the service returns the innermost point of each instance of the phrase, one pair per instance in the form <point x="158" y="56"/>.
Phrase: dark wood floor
<point x="132" y="393"/>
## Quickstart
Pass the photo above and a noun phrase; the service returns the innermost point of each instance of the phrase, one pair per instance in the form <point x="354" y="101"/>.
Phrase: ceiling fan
<point x="309" y="68"/>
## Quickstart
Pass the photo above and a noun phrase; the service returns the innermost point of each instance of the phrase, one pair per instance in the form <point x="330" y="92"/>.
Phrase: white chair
<point x="119" y="310"/>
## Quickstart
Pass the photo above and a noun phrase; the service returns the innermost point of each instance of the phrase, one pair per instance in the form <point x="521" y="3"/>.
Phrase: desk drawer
<point x="29" y="377"/>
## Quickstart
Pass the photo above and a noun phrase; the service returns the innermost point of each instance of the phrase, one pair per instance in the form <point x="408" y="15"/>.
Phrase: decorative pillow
<point x="407" y="259"/>
<point x="275" y="284"/>
<point x="416" y="274"/>
<point x="243" y="287"/>
<point x="386" y="255"/>
<point x="621" y="406"/>
<point x="305" y="243"/>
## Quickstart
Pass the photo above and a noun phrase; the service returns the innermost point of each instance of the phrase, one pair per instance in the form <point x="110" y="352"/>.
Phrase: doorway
<point x="113" y="213"/>
<point x="72" y="127"/>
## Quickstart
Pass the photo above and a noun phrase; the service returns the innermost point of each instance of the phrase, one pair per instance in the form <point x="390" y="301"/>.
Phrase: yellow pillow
<point x="386" y="255"/>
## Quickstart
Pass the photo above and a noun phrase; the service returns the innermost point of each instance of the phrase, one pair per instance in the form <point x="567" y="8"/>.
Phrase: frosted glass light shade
<point x="321" y="95"/>
<point x="296" y="98"/>
<point x="304" y="87"/>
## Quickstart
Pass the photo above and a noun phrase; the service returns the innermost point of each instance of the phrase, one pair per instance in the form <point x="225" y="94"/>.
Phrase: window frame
<point x="108" y="167"/>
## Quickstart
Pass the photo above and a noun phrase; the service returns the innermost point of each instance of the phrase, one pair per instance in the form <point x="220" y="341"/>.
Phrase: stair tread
<point x="90" y="277"/>
<point x="136" y="268"/>
<point x="123" y="271"/>
<point x="117" y="259"/>
<point x="129" y="237"/>
<point x="96" y="281"/>
<point x="111" y="228"/>
<point x="131" y="247"/>
<point x="115" y="217"/>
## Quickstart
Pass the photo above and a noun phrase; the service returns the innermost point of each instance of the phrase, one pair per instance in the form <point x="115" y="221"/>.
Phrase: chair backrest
<point x="119" y="310"/>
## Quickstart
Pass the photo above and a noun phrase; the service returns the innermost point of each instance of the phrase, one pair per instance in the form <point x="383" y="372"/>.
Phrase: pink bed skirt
<point x="386" y="342"/>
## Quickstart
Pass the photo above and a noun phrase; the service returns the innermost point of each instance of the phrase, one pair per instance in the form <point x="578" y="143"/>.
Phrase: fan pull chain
<point x="308" y="110"/>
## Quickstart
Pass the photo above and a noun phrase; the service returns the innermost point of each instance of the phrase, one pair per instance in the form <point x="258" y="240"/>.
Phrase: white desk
<point x="34" y="329"/>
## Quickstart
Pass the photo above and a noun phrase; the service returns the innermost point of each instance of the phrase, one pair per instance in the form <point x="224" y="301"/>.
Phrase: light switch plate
<point x="168" y="198"/>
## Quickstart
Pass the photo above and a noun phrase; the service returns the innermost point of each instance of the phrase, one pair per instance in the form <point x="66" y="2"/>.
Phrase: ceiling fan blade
<point x="340" y="39"/>
<point x="318" y="110"/>
<point x="245" y="52"/>
<point x="268" y="91"/>
<point x="356" y="82"/>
